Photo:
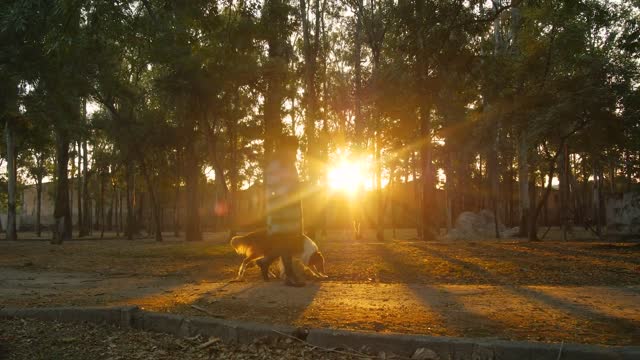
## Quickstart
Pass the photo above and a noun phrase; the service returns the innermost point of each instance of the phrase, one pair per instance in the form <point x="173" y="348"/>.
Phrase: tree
<point x="37" y="157"/>
<point x="517" y="91"/>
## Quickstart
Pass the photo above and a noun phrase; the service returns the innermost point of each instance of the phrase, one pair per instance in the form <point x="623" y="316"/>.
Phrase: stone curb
<point x="245" y="332"/>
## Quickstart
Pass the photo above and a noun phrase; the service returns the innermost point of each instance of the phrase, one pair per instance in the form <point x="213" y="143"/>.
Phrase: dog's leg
<point x="240" y="271"/>
<point x="280" y="274"/>
<point x="292" y="279"/>
<point x="243" y="267"/>
<point x="264" y="264"/>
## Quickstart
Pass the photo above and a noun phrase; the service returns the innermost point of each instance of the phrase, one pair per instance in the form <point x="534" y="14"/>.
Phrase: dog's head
<point x="317" y="261"/>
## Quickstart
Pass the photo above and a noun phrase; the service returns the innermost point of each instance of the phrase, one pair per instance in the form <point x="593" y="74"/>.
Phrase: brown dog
<point x="255" y="245"/>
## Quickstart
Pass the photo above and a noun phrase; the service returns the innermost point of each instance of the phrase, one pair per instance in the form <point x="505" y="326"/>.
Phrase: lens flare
<point x="347" y="176"/>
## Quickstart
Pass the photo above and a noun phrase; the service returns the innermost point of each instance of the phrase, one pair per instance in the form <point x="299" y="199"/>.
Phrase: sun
<point x="347" y="176"/>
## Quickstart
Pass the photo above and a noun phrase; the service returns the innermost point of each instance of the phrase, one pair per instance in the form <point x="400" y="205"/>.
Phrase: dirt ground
<point x="34" y="340"/>
<point x="551" y="291"/>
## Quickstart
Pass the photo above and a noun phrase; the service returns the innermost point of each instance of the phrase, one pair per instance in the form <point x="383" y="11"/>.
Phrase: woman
<point x="284" y="210"/>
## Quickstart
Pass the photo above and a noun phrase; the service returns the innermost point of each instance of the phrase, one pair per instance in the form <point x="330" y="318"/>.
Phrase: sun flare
<point x="347" y="176"/>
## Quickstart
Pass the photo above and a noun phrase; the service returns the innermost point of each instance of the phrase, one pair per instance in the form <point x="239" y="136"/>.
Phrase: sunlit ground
<point x="554" y="291"/>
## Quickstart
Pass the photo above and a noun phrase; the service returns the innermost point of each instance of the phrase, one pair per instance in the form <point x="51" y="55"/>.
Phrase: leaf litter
<point x="38" y="340"/>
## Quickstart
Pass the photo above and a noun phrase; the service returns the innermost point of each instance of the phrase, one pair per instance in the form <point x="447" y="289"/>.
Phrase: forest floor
<point x="550" y="291"/>
<point x="35" y="340"/>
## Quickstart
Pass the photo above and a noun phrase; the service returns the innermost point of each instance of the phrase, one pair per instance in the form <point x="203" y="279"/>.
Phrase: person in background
<point x="284" y="210"/>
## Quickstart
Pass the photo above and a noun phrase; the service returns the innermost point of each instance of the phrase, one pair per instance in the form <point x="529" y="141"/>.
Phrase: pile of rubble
<point x="478" y="226"/>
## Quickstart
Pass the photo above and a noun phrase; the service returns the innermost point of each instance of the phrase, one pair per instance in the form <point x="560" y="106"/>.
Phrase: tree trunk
<point x="546" y="206"/>
<point x="310" y="94"/>
<point x="90" y="215"/>
<point x="12" y="174"/>
<point x="602" y="213"/>
<point x="577" y="197"/>
<point x="492" y="158"/>
<point x="324" y="143"/>
<point x="131" y="202"/>
<point x="358" y="119"/>
<point x="533" y="229"/>
<point x="39" y="205"/>
<point x="61" y="213"/>
<point x="533" y="195"/>
<point x="162" y="210"/>
<point x="563" y="177"/>
<point x="154" y="204"/>
<point x="139" y="213"/>
<point x="597" y="183"/>
<point x="586" y="191"/>
<point x="73" y="176"/>
<point x="428" y="199"/>
<point x="221" y="189"/>
<point x="448" y="191"/>
<point x="116" y="211"/>
<point x="80" y="179"/>
<point x="424" y="111"/>
<point x="416" y="193"/>
<point x="509" y="195"/>
<point x="523" y="184"/>
<point x="494" y="180"/>
<point x="176" y="211"/>
<point x="120" y="215"/>
<point x="192" y="226"/>
<point x="392" y="188"/>
<point x="375" y="43"/>
<point x="357" y="63"/>
<point x="86" y="200"/>
<point x="276" y="76"/>
<point x="102" y="217"/>
<point x="111" y="214"/>
<point x="233" y="177"/>
<point x="277" y="13"/>
<point x="628" y="169"/>
<point x="612" y="177"/>
<point x="379" y="195"/>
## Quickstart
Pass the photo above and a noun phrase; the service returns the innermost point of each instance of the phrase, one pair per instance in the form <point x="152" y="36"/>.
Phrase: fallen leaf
<point x="424" y="354"/>
<point x="211" y="341"/>
<point x="67" y="340"/>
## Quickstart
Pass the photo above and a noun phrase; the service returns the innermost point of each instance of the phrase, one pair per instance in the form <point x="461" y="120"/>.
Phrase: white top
<point x="310" y="248"/>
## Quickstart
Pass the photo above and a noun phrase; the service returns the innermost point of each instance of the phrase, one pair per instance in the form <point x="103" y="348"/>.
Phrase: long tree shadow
<point x="171" y="277"/>
<point x="252" y="299"/>
<point x="271" y="302"/>
<point x="487" y="276"/>
<point x="566" y="250"/>
<point x="543" y="260"/>
<point x="613" y="324"/>
<point x="607" y="322"/>
<point x="451" y="316"/>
